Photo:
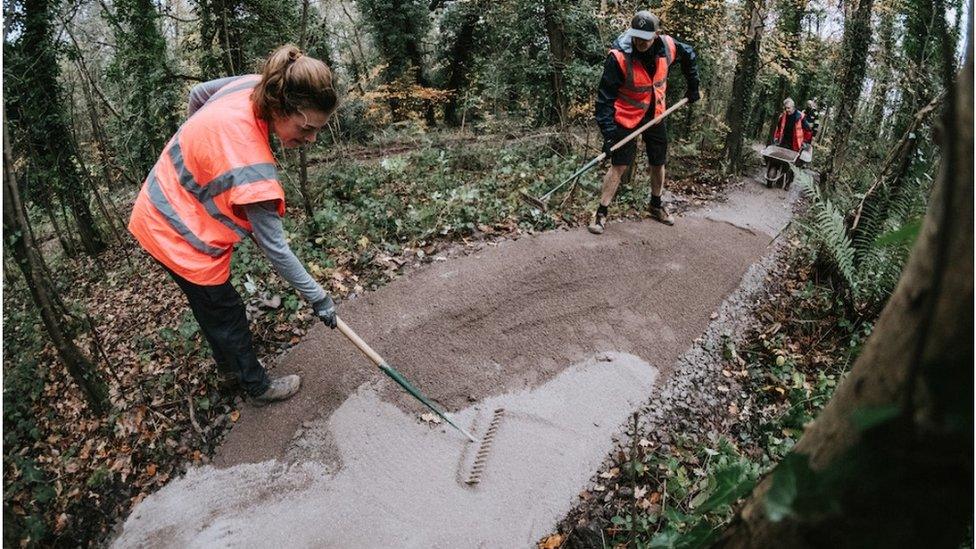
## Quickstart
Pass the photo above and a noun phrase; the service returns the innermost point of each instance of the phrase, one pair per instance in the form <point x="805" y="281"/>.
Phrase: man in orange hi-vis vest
<point x="215" y="183"/>
<point x="792" y="130"/>
<point x="632" y="92"/>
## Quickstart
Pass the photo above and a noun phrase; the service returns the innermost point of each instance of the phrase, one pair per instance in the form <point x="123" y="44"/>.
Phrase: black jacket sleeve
<point x="689" y="65"/>
<point x="606" y="96"/>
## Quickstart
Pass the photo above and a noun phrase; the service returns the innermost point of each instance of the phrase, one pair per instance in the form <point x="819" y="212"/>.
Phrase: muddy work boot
<point x="599" y="222"/>
<point x="661" y="213"/>
<point x="281" y="388"/>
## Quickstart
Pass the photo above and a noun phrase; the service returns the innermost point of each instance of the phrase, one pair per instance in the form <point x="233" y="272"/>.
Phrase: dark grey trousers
<point x="219" y="311"/>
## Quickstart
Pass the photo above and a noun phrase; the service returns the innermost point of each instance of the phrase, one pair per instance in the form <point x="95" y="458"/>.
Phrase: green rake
<point x="395" y="375"/>
<point x="542" y="202"/>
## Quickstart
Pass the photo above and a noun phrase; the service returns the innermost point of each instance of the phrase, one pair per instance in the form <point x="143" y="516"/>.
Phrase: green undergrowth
<point x="415" y="202"/>
<point x="782" y="374"/>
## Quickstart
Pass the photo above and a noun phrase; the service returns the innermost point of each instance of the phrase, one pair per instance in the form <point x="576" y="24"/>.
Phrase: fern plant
<point x="870" y="262"/>
<point x="827" y="228"/>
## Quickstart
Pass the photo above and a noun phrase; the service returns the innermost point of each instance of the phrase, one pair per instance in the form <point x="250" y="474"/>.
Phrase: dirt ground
<point x="513" y="318"/>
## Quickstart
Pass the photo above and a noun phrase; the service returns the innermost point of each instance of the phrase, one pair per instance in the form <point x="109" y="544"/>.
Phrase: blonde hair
<point x="291" y="81"/>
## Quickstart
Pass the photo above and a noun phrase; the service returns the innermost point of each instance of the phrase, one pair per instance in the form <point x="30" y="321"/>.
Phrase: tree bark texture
<point x="918" y="365"/>
<point x="791" y="15"/>
<point x="39" y="115"/>
<point x="27" y="256"/>
<point x="460" y="57"/>
<point x="742" y="85"/>
<point x="560" y="55"/>
<point x="857" y="41"/>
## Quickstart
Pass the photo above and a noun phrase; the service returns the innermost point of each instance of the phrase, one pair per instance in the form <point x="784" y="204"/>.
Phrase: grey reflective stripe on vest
<point x="162" y="205"/>
<point x="668" y="44"/>
<point x="188" y="182"/>
<point x="629" y="80"/>
<point x="634" y="102"/>
<point x="240" y="176"/>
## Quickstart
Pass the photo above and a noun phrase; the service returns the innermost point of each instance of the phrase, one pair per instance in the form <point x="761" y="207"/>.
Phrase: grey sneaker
<point x="598" y="224"/>
<point x="661" y="213"/>
<point x="281" y="388"/>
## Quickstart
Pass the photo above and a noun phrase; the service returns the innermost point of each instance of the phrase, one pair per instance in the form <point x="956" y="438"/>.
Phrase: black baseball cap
<point x="644" y="25"/>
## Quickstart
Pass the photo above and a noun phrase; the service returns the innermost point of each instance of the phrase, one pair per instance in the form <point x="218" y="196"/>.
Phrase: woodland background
<point x="449" y="107"/>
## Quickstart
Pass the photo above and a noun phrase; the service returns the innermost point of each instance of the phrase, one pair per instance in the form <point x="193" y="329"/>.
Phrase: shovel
<point x="543" y="202"/>
<point x="395" y="375"/>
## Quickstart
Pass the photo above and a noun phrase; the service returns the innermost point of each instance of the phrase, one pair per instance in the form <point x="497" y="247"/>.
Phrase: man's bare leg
<point x="611" y="182"/>
<point x="658" y="211"/>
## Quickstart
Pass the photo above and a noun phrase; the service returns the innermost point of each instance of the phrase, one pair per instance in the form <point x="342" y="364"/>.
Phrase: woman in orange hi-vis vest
<point x="215" y="183"/>
<point x="632" y="91"/>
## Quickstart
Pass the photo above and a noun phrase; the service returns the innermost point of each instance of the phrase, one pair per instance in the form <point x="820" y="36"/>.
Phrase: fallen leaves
<point x="554" y="541"/>
<point x="612" y="473"/>
<point x="430" y="418"/>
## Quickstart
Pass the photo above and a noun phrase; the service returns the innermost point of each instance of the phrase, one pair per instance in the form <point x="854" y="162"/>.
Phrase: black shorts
<point x="655" y="141"/>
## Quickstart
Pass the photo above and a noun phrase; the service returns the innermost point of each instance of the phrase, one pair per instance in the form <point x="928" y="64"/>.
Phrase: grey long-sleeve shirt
<point x="200" y="93"/>
<point x="270" y="236"/>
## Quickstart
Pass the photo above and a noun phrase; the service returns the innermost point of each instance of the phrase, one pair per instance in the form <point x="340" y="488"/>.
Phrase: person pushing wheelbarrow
<point x="791" y="139"/>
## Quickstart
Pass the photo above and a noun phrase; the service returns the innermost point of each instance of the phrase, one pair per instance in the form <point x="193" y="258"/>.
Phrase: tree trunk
<point x="742" y="84"/>
<point x="857" y="41"/>
<point x="28" y="258"/>
<point x="791" y="14"/>
<point x="919" y="72"/>
<point x="889" y="461"/>
<point x="882" y="77"/>
<point x="459" y="60"/>
<point x="303" y="152"/>
<point x="66" y="245"/>
<point x="88" y="233"/>
<point x="560" y="55"/>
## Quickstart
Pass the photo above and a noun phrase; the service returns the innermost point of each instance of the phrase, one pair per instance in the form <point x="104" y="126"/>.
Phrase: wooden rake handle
<point x="358" y="342"/>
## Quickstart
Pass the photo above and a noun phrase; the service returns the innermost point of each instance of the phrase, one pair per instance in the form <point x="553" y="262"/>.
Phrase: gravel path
<point x="568" y="329"/>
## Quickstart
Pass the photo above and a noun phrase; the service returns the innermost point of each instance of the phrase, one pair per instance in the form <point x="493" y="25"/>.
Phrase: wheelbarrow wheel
<point x="772" y="174"/>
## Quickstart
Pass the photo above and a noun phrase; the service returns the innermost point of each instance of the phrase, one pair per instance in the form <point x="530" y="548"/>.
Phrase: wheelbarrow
<point x="779" y="162"/>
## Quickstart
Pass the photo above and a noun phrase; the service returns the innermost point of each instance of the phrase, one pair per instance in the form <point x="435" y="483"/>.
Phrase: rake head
<point x="473" y="464"/>
<point x="533" y="201"/>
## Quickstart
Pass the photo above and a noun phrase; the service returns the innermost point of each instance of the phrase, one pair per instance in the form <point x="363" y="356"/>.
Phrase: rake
<point x="542" y="202"/>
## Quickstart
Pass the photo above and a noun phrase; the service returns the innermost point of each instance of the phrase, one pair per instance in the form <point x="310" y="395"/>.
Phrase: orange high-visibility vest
<point x="798" y="135"/>
<point x="188" y="214"/>
<point x="639" y="89"/>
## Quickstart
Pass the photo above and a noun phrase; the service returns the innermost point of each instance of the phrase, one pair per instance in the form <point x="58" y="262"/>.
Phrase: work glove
<point x="611" y="139"/>
<point x="693" y="95"/>
<point x="325" y="309"/>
